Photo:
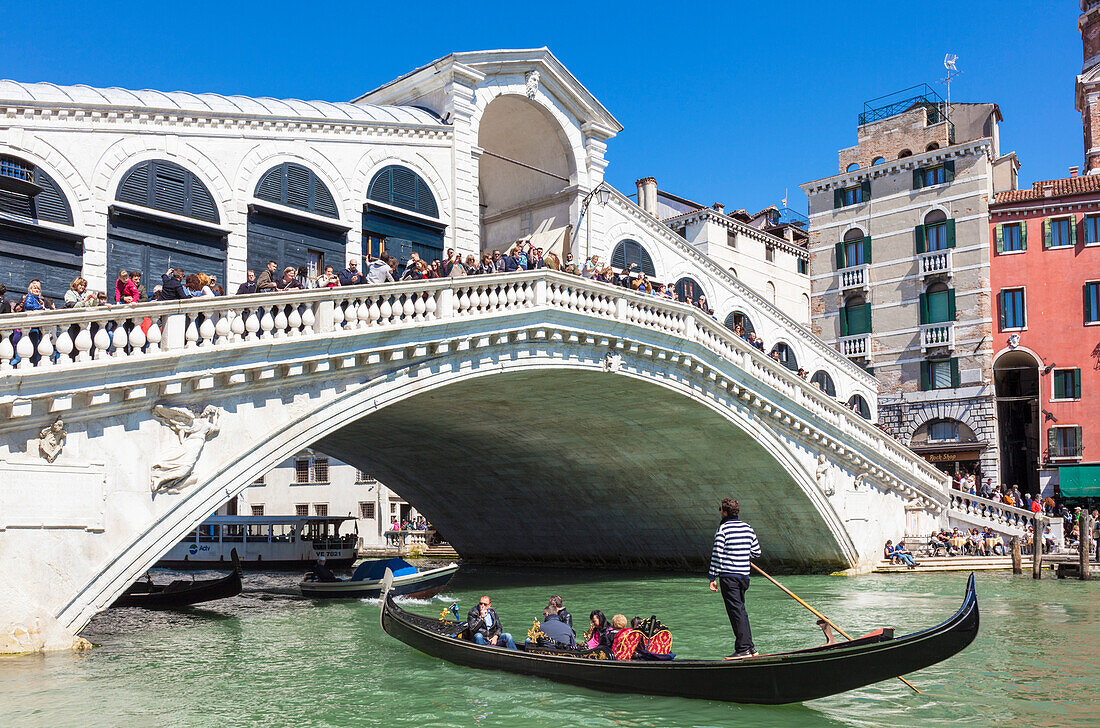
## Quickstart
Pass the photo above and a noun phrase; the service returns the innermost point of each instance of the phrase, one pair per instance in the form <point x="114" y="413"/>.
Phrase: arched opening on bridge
<point x="542" y="429"/>
<point x="1016" y="383"/>
<point x="526" y="173"/>
<point x="785" y="354"/>
<point x="277" y="231"/>
<point x="859" y="405"/>
<point x="28" y="195"/>
<point x="688" y="290"/>
<point x="190" y="237"/>
<point x="737" y="318"/>
<point x="401" y="216"/>
<point x="824" y="382"/>
<point x="630" y="252"/>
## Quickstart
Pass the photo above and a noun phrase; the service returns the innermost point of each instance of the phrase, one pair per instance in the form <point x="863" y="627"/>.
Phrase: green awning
<point x="1079" y="481"/>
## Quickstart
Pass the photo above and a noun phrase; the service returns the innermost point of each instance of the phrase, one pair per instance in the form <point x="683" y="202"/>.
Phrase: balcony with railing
<point x="935" y="263"/>
<point x="857" y="346"/>
<point x="855" y="278"/>
<point x="936" y="336"/>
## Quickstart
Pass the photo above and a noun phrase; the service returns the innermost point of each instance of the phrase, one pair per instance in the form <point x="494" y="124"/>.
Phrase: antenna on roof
<point x="949" y="63"/>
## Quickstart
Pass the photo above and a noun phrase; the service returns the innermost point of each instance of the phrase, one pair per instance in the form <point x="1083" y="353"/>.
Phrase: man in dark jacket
<point x="557" y="602"/>
<point x="266" y="282"/>
<point x="171" y="285"/>
<point x="483" y="626"/>
<point x="555" y="628"/>
<point x="351" y="275"/>
<point x="249" y="286"/>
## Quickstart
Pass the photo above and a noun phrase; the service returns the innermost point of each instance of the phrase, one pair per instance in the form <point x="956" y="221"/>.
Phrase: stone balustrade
<point x="935" y="262"/>
<point x="858" y="345"/>
<point x="1004" y="517"/>
<point x="79" y="338"/>
<point x="855" y="277"/>
<point x="937" y="335"/>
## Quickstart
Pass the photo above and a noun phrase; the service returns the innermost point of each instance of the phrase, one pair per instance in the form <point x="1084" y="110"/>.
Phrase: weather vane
<point x="949" y="63"/>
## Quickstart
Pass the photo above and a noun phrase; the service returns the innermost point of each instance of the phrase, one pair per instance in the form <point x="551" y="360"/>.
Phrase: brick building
<point x="899" y="268"/>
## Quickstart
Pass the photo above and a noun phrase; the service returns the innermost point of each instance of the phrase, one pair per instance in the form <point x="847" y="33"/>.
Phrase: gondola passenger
<point x="555" y="628"/>
<point x="599" y="631"/>
<point x="483" y="626"/>
<point x="322" y="572"/>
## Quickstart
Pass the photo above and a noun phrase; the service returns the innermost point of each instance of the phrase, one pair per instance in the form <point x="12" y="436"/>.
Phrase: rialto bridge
<point x="531" y="415"/>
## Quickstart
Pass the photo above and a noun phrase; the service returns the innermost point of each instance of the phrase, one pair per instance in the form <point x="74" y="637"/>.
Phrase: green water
<point x="267" y="658"/>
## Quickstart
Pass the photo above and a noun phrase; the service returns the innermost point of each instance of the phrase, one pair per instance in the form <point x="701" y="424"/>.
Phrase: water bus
<point x="266" y="543"/>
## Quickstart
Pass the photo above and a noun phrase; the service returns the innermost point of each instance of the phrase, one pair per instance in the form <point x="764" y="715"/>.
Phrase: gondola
<point x="366" y="582"/>
<point x="182" y="592"/>
<point x="789" y="677"/>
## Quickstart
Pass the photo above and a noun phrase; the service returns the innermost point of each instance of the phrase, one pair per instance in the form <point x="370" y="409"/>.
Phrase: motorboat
<point x="366" y="581"/>
<point x="265" y="543"/>
<point x="788" y="677"/>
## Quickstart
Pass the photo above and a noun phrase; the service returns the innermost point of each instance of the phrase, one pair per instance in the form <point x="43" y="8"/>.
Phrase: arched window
<point x="824" y="382"/>
<point x="735" y="319"/>
<point x="937" y="304"/>
<point x="855" y="317"/>
<point x="29" y="250"/>
<point x="854" y="249"/>
<point x="932" y="147"/>
<point x="878" y="160"/>
<point x="904" y="153"/>
<point x="399" y="234"/>
<point x="296" y="186"/>
<point x="631" y="251"/>
<point x="769" y="289"/>
<point x="785" y="355"/>
<point x="806" y="307"/>
<point x="938" y="231"/>
<point x="852" y="167"/>
<point x="401" y="187"/>
<point x="688" y="290"/>
<point x="162" y="185"/>
<point x="859" y="405"/>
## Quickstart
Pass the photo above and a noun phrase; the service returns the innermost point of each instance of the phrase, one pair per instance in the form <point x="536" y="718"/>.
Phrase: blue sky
<point x="732" y="102"/>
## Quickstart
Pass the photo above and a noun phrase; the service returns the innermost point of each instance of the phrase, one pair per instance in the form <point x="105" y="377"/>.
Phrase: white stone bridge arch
<point x="600" y="426"/>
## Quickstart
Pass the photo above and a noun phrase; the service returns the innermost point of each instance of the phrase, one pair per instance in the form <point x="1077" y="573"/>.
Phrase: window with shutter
<point x="1010" y="241"/>
<point x="162" y="185"/>
<point x="401" y="187"/>
<point x="1065" y="441"/>
<point x="1013" y="309"/>
<point x="1091" y="225"/>
<point x="630" y="251"/>
<point x="1066" y="384"/>
<point x="940" y="374"/>
<point x="1092" y="302"/>
<point x="27" y="191"/>
<point x="1061" y="232"/>
<point x="296" y="186"/>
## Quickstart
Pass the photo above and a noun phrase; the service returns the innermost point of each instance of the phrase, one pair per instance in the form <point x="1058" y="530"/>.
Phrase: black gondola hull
<point x="182" y="593"/>
<point x="769" y="679"/>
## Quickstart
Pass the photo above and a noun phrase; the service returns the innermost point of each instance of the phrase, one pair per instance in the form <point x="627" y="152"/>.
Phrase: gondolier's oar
<point x="819" y="615"/>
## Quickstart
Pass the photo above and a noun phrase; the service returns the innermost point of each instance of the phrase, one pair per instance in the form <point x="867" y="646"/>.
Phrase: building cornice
<point x="729" y="223"/>
<point x="1045" y="205"/>
<point x="847" y="179"/>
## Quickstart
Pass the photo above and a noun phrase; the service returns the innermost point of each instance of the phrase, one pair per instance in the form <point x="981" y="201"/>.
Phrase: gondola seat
<point x="625" y="643"/>
<point x="660" y="643"/>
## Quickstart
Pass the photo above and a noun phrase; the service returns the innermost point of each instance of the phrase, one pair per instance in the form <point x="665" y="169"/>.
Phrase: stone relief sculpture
<point x="823" y="480"/>
<point x="532" y="79"/>
<point x="612" y="362"/>
<point x="51" y="439"/>
<point x="175" y="463"/>
<point x="859" y="482"/>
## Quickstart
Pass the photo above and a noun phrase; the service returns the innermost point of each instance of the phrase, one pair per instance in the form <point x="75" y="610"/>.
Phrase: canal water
<point x="268" y="658"/>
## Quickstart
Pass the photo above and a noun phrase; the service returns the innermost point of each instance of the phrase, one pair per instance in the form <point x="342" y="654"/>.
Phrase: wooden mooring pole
<point x="1017" y="559"/>
<point x="1037" y="549"/>
<point x="1083" y="545"/>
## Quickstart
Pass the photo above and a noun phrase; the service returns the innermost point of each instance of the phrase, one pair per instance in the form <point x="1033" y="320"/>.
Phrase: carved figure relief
<point x="532" y="79"/>
<point x="175" y="462"/>
<point x="51" y="439"/>
<point x="823" y="480"/>
<point x="612" y="362"/>
<point x="859" y="482"/>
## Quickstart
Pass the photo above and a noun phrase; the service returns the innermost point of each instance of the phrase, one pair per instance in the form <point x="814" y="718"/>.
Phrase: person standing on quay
<point x="734" y="544"/>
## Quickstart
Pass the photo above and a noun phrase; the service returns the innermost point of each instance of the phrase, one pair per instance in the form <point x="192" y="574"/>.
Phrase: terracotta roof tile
<point x="1062" y="187"/>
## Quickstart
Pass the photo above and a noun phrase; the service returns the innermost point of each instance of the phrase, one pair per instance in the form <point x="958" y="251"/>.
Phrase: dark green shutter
<point x="1000" y="239"/>
<point x="1052" y="441"/>
<point x="1001" y="308"/>
<point x="925" y="376"/>
<point x="1023" y="234"/>
<point x="840" y="256"/>
<point x="918" y="178"/>
<point x="843" y="320"/>
<point x="1077" y="384"/>
<point x="1046" y="233"/>
<point x="865" y="185"/>
<point x="1086" y="302"/>
<point x="954" y="372"/>
<point x="951" y="304"/>
<point x="867" y="249"/>
<point x="923" y="308"/>
<point x="1073" y="230"/>
<point x="920" y="238"/>
<point x="838" y="198"/>
<point x="949" y="171"/>
<point x="866" y="317"/>
<point x="951" y="233"/>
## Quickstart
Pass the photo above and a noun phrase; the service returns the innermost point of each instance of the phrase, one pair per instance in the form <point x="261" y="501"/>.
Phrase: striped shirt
<point x="734" y="543"/>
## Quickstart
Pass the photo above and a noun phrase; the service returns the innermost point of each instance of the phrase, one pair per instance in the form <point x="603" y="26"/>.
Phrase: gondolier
<point x="734" y="544"/>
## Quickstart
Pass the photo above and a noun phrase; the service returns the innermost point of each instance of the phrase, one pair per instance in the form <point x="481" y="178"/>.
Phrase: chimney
<point x="1073" y="171"/>
<point x="647" y="195"/>
<point x="1048" y="189"/>
<point x="719" y="207"/>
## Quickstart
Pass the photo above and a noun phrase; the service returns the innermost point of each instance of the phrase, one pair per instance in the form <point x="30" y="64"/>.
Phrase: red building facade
<point x="1045" y="280"/>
